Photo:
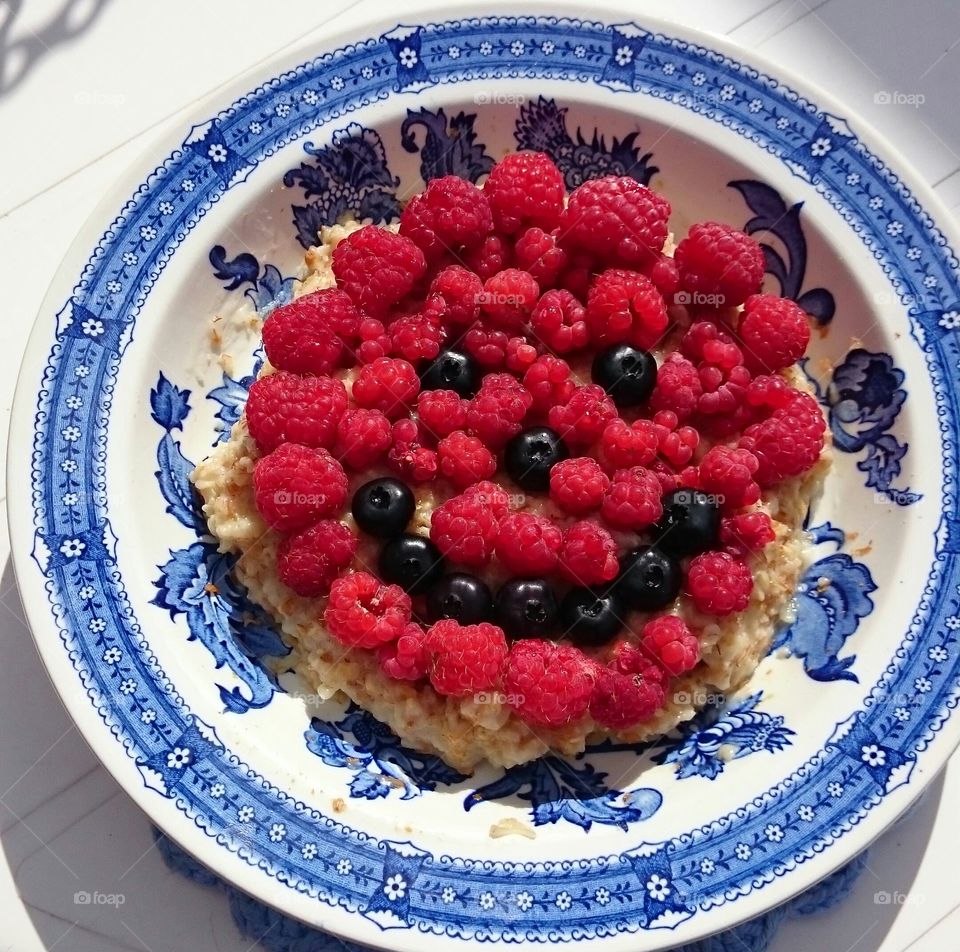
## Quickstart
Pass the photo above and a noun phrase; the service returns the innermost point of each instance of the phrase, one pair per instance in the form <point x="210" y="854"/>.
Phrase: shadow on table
<point x="19" y="54"/>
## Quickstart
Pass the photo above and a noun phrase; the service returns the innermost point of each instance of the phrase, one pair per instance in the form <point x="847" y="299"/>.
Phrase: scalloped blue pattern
<point x="401" y="885"/>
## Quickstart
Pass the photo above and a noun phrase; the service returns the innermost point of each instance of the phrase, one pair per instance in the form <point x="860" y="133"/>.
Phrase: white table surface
<point x="86" y="85"/>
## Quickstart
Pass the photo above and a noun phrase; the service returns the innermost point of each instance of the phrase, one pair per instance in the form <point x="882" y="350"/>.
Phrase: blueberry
<point x="527" y="608"/>
<point x="626" y="373"/>
<point x="690" y="523"/>
<point x="530" y="454"/>
<point x="383" y="507"/>
<point x="648" y="579"/>
<point x="452" y="370"/>
<point x="462" y="597"/>
<point x="589" y="617"/>
<point x="412" y="562"/>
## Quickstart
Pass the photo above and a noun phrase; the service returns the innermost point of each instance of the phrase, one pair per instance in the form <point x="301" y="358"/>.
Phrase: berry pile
<point x="499" y="348"/>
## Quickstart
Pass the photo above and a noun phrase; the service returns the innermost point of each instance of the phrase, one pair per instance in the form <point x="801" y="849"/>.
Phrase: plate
<point x="178" y="682"/>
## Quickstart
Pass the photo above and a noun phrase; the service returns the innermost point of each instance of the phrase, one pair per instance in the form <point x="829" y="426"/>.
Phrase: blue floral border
<point x="399" y="884"/>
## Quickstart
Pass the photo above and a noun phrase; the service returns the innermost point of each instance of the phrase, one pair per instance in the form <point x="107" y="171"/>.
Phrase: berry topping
<point x="627" y="374"/>
<point x="495" y="497"/>
<point x="578" y="485"/>
<point x="728" y="474"/>
<point x="373" y="341"/>
<point x="464" y="460"/>
<point x="363" y="436"/>
<point x="462" y="597"/>
<point x="412" y="562"/>
<point x="508" y="298"/>
<point x="589" y="617"/>
<point x="525" y="189"/>
<point x="690" y="523"/>
<point x="649" y="578"/>
<point x="719" y="266"/>
<point x="464" y="528"/>
<point x="383" y="507"/>
<point x="413" y="461"/>
<point x="718" y="583"/>
<point x="487" y="347"/>
<point x="456" y="292"/>
<point x="389" y="385"/>
<point x="440" y="412"/>
<point x="625" y="306"/>
<point x="452" y="370"/>
<point x="466" y="659"/>
<point x="537" y="252"/>
<point x="560" y="321"/>
<point x="496" y="413"/>
<point x="788" y="442"/>
<point x="306" y="336"/>
<point x="296" y="486"/>
<point x="407" y="658"/>
<point x="527" y="608"/>
<point x="622" y="700"/>
<point x="285" y="408"/>
<point x="672" y="643"/>
<point x="493" y="254"/>
<point x="416" y="337"/>
<point x="528" y="545"/>
<point x="678" y="387"/>
<point x="623" y="445"/>
<point x="582" y="418"/>
<point x="548" y="684"/>
<point x="633" y="501"/>
<point x="589" y="554"/>
<point x="520" y="355"/>
<point x="775" y="333"/>
<point x="549" y="383"/>
<point x="746" y="532"/>
<point x="448" y="215"/>
<point x="362" y="612"/>
<point x="310" y="560"/>
<point x="530" y="456"/>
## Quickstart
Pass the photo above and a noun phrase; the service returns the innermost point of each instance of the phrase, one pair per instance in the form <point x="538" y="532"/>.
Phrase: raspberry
<point x="548" y="684"/>
<point x="448" y="215"/>
<point x="560" y="321"/>
<point x="464" y="460"/>
<point x="487" y="347"/>
<point x="582" y="418"/>
<point x="775" y="333"/>
<point x="664" y="274"/>
<point x="678" y="386"/>
<point x="389" y="385"/>
<point x="724" y="391"/>
<point x="301" y="336"/>
<point x="549" y="383"/>
<point x="633" y="501"/>
<point x="622" y="700"/>
<point x="508" y="298"/>
<point x="441" y="412"/>
<point x="407" y="430"/>
<point x="525" y="189"/>
<point x="493" y="255"/>
<point x="578" y="485"/>
<point x="373" y="341"/>
<point x="416" y="337"/>
<point x="788" y="442"/>
<point x="488" y="494"/>
<point x="770" y="391"/>
<point x="669" y="479"/>
<point x="728" y="474"/>
<point x="459" y="293"/>
<point x="464" y="528"/>
<point x="285" y="408"/>
<point x="362" y="612"/>
<point x="496" y="413"/>
<point x="589" y="554"/>
<point x="717" y="260"/>
<point x="706" y="340"/>
<point x="521" y="354"/>
<point x="407" y="658"/>
<point x="672" y="643"/>
<point x="746" y="532"/>
<point x="413" y="462"/>
<point x="528" y="545"/>
<point x="309" y="561"/>
<point x="295" y="486"/>
<point x="377" y="268"/>
<point x="625" y="306"/>
<point x="718" y="583"/>
<point x="629" y="658"/>
<point x="537" y="251"/>
<point x="623" y="445"/>
<point x="578" y="275"/>
<point x="363" y="436"/>
<point x="616" y="220"/>
<point x="465" y="658"/>
<point x="676" y="444"/>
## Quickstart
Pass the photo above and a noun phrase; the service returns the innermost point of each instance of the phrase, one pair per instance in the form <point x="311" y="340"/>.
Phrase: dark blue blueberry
<point x="648" y="579"/>
<point x="690" y="523"/>
<point x="460" y="596"/>
<point x="530" y="454"/>
<point x="383" y="507"/>
<point x="452" y="370"/>
<point x="589" y="617"/>
<point x="412" y="562"/>
<point x="626" y="373"/>
<point x="527" y="608"/>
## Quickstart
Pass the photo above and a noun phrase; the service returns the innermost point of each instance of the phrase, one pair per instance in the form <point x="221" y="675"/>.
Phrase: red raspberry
<point x="589" y="554"/>
<point x="448" y="215"/>
<point x="616" y="220"/>
<point x="630" y="658"/>
<point x="537" y="251"/>
<point x="623" y="445"/>
<point x="407" y="658"/>
<point x="441" y="412"/>
<point x="668" y="477"/>
<point x="377" y="268"/>
<point x="578" y="485"/>
<point x="521" y="354"/>
<point x="622" y="700"/>
<point x="525" y="189"/>
<point x="413" y="462"/>
<point x="583" y="417"/>
<point x="728" y="474"/>
<point x="496" y="413"/>
<point x="770" y="391"/>
<point x="464" y="460"/>
<point x="508" y="298"/>
<point x="724" y="391"/>
<point x="718" y="261"/>
<point x="549" y="383"/>
<point x="285" y="408"/>
<point x="493" y="255"/>
<point x="373" y="341"/>
<point x="560" y="321"/>
<point x="746" y="532"/>
<point x="548" y="684"/>
<point x="309" y="561"/>
<point x="669" y="640"/>
<point x="706" y="340"/>
<point x="389" y="385"/>
<point x="295" y="486"/>
<point x="416" y="337"/>
<point x="676" y="444"/>
<point x="487" y="347"/>
<point x="528" y="545"/>
<point x="633" y="501"/>
<point x="464" y="528"/>
<point x="775" y="333"/>
<point x="718" y="583"/>
<point x="301" y="336"/>
<point x="407" y="430"/>
<point x="465" y="659"/>
<point x="488" y="494"/>
<point x="363" y="436"/>
<point x="362" y="612"/>
<point x="788" y="442"/>
<point x="678" y="386"/>
<point x="458" y="291"/>
<point x="578" y="275"/>
<point x="625" y="306"/>
<point x="664" y="274"/>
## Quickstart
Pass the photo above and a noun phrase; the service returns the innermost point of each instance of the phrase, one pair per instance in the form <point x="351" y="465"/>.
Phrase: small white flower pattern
<point x="658" y="888"/>
<point x="875" y="203"/>
<point x="87" y="592"/>
<point x="308" y="850"/>
<point x="114" y="287"/>
<point x="895" y="228"/>
<point x="311" y="97"/>
<point x="806" y="812"/>
<point x="148" y="232"/>
<point x="255" y="128"/>
<point x="579" y="51"/>
<point x="71" y="434"/>
<point x="938" y="653"/>
<point x="448" y="895"/>
<point x="148" y="716"/>
<point x="742" y="851"/>
<point x="188" y="185"/>
<point x="485" y="48"/>
<point x="74" y="402"/>
<point x="517" y="47"/>
<point x="97" y="625"/>
<point x="246" y="813"/>
<point x="707" y="866"/>
<point x="853" y="178"/>
<point x="70" y="499"/>
<point x="773" y="832"/>
<point x="344" y="866"/>
<point x="69" y="465"/>
<point x="872" y="755"/>
<point x="923" y="685"/>
<point x="179" y="757"/>
<point x="914" y="253"/>
<point x="72" y="548"/>
<point x="547" y="47"/>
<point x="727" y="92"/>
<point x="953" y="622"/>
<point x="336" y="83"/>
<point x="92" y="327"/>
<point x="453" y="52"/>
<point x="366" y="72"/>
<point x="486" y="900"/>
<point x="901" y="714"/>
<point x="408" y="58"/>
<point x="395" y="887"/>
<point x="951" y="321"/>
<point x="755" y="105"/>
<point x="929" y="281"/>
<point x="128" y="686"/>
<point x="277" y="832"/>
<point x="563" y="900"/>
<point x="128" y="257"/>
<point x="669" y="69"/>
<point x="282" y="109"/>
<point x="699" y="79"/>
<point x="524" y="901"/>
<point x="782" y="123"/>
<point x="217" y="152"/>
<point x="602" y="896"/>
<point x="820" y="147"/>
<point x="217" y="791"/>
<point x="835" y="789"/>
<point x="623" y="56"/>
<point x="165" y="208"/>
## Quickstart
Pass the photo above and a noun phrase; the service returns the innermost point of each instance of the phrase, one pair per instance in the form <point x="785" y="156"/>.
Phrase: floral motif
<point x="872" y="755"/>
<point x="408" y="58"/>
<point x="448" y="895"/>
<point x="267" y="289"/>
<point x="246" y="813"/>
<point x="524" y="900"/>
<point x="72" y="548"/>
<point x="658" y="887"/>
<point x="308" y="850"/>
<point x="277" y="832"/>
<point x="217" y="791"/>
<point x="344" y="866"/>
<point x="395" y="887"/>
<point x="563" y="900"/>
<point x="179" y="757"/>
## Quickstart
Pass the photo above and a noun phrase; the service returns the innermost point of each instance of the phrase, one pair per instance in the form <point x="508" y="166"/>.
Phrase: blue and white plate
<point x="179" y="683"/>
